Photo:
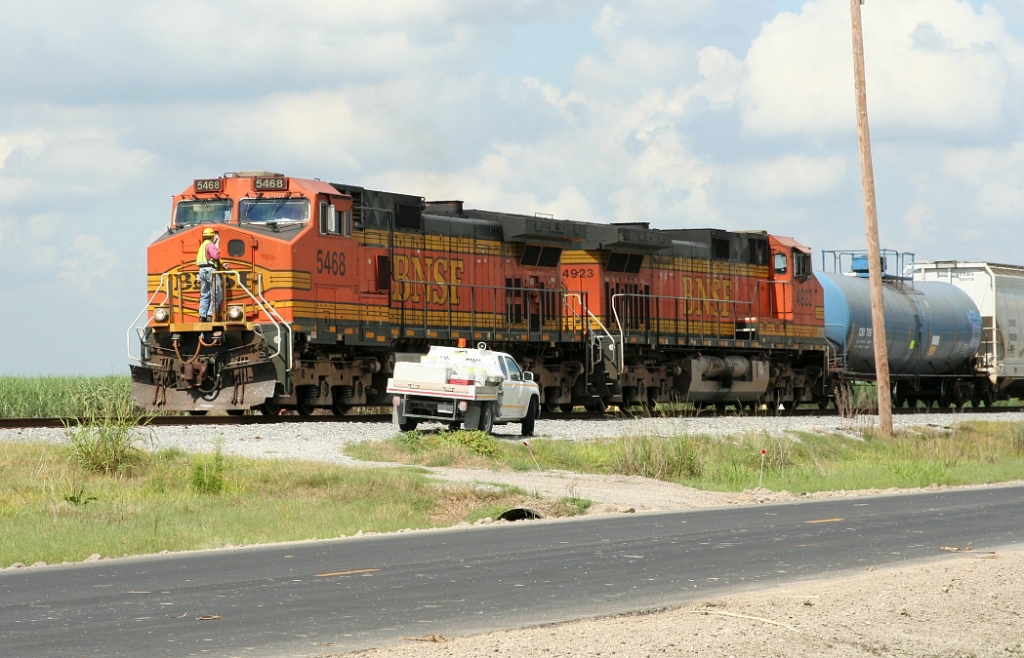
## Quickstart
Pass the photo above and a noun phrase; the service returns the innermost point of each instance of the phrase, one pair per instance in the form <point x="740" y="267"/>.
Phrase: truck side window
<point x="513" y="369"/>
<point x="504" y="367"/>
<point x="781" y="263"/>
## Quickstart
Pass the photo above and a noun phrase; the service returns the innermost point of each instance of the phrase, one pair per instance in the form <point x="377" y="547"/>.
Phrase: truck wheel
<point x="486" y="419"/>
<point x="530" y="418"/>
<point x="408" y="424"/>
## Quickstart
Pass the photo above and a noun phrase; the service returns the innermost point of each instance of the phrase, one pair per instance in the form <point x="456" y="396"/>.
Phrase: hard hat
<point x="208" y="232"/>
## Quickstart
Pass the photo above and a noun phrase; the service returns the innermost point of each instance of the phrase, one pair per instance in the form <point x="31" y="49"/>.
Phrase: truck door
<point x="513" y="389"/>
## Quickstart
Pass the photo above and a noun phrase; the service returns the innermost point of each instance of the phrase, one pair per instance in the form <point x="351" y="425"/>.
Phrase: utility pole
<point x="871" y="227"/>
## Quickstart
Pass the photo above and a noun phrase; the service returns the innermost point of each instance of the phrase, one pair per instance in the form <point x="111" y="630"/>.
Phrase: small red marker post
<point x="760" y="478"/>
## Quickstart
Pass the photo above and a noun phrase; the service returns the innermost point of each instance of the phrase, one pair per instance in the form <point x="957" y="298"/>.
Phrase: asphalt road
<point x="313" y="598"/>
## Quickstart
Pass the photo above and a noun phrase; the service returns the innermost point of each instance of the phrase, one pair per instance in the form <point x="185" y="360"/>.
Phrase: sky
<point x="737" y="114"/>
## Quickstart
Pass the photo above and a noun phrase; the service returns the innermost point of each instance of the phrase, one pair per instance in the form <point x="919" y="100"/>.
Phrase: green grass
<point x="973" y="453"/>
<point x="65" y="397"/>
<point x="53" y="509"/>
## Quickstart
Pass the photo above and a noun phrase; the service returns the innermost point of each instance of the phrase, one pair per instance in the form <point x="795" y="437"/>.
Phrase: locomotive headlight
<point x="161" y="314"/>
<point x="235" y="313"/>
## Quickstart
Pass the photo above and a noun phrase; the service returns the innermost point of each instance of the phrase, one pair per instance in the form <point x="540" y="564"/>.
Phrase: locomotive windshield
<point x="276" y="211"/>
<point x="206" y="211"/>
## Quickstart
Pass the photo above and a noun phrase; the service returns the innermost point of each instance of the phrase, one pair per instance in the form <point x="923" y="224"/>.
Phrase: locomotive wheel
<point x="486" y="419"/>
<point x="304" y="401"/>
<point x="338" y="406"/>
<point x="530" y="419"/>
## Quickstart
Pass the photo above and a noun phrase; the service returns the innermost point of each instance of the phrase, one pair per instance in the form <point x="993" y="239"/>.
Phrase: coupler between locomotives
<point x="203" y="371"/>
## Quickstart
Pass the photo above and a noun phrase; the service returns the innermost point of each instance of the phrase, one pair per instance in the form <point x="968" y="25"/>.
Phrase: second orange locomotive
<point x="325" y="283"/>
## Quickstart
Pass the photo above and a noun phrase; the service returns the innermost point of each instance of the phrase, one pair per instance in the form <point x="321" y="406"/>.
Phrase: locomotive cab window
<point x="204" y="211"/>
<point x="781" y="264"/>
<point x="334" y="221"/>
<point x="328" y="219"/>
<point x="801" y="264"/>
<point x="273" y="211"/>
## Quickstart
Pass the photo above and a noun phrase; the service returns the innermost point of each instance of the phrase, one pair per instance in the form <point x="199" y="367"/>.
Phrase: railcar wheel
<point x="552" y="407"/>
<point x="486" y="419"/>
<point x="530" y="419"/>
<point x="597" y="407"/>
<point x="408" y="425"/>
<point x="454" y="426"/>
<point x="197" y="412"/>
<point x="269" y="408"/>
<point x="236" y="412"/>
<point x="566" y="408"/>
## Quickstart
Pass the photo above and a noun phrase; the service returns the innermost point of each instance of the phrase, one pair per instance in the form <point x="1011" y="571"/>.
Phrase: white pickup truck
<point x="473" y="388"/>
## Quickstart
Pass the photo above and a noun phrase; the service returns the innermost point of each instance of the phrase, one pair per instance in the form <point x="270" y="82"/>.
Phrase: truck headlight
<point x="161" y="314"/>
<point x="235" y="313"/>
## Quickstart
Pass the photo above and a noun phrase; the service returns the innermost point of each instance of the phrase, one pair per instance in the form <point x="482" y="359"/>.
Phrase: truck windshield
<point x="205" y="211"/>
<point x="273" y="211"/>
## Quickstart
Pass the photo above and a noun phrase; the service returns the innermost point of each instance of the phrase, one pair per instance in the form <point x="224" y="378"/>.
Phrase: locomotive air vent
<point x="619" y="262"/>
<point x="540" y="256"/>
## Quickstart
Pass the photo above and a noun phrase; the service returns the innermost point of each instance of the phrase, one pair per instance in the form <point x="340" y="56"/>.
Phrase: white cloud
<point x="791" y="177"/>
<point x="996" y="175"/>
<point x="932" y="65"/>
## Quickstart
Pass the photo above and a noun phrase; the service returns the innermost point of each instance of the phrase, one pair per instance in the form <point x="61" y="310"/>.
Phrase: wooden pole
<point x="871" y="227"/>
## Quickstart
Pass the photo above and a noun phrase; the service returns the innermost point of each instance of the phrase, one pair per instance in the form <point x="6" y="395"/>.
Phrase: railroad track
<point x="179" y="421"/>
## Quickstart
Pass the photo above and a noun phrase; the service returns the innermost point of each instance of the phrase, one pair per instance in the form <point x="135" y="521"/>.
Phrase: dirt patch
<point x="619" y="493"/>
<point x="961" y="605"/>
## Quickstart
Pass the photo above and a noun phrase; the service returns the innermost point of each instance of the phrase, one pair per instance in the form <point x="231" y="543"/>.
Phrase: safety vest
<point x="201" y="258"/>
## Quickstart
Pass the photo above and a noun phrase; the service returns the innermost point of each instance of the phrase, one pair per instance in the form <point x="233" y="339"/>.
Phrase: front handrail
<point x="259" y="301"/>
<point x="128" y="335"/>
<point x="275" y="318"/>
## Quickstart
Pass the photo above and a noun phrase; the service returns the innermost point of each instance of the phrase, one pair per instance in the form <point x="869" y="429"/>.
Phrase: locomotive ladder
<point x="603" y="347"/>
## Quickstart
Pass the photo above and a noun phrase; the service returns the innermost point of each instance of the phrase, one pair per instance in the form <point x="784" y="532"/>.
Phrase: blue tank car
<point x="930" y="328"/>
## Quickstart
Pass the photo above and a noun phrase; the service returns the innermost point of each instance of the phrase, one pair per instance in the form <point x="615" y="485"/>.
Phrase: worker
<point x="208" y="261"/>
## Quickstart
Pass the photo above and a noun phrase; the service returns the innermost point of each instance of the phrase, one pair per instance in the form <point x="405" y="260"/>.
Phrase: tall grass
<point x="65" y="397"/>
<point x="52" y="509"/>
<point x="976" y="452"/>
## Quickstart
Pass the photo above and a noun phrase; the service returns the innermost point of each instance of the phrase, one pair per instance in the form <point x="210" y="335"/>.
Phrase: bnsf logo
<point x="433" y="278"/>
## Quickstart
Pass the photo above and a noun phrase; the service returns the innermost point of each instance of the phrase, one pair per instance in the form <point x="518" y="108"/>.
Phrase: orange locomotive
<point x="324" y="283"/>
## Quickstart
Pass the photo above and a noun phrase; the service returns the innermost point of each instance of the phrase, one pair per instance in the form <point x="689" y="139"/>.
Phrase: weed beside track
<point x="970" y="453"/>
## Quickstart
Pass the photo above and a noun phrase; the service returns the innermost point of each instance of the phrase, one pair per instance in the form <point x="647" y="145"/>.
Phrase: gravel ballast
<point x="325" y="441"/>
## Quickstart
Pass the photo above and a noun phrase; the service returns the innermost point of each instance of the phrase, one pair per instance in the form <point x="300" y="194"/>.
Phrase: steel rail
<point x="180" y="421"/>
